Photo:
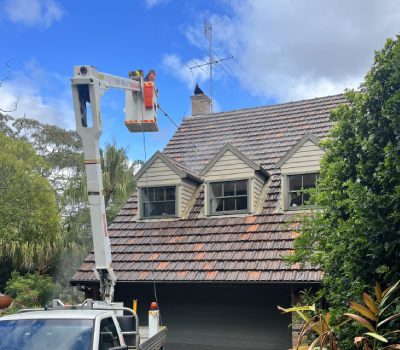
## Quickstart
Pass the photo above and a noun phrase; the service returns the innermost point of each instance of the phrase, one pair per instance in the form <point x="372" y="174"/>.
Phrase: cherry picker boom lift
<point x="93" y="324"/>
<point x="88" y="86"/>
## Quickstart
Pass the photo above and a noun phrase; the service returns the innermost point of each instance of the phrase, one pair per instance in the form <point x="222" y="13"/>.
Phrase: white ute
<point x="93" y="325"/>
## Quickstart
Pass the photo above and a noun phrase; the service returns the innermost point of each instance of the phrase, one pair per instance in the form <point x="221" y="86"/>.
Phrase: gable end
<point x="308" y="137"/>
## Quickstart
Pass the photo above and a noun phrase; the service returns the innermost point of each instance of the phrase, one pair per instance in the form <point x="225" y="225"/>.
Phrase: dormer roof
<point x="180" y="169"/>
<point x="229" y="147"/>
<point x="301" y="142"/>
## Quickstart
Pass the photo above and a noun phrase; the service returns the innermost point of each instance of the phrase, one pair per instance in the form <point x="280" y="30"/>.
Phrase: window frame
<point x="98" y="329"/>
<point x="286" y="191"/>
<point x="230" y="212"/>
<point x="141" y="201"/>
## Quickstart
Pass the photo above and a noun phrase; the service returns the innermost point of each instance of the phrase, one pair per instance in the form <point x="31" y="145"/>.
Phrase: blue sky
<point x="289" y="50"/>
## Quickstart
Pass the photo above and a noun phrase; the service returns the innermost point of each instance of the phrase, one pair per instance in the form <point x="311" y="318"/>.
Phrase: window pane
<point x="159" y="194"/>
<point x="296" y="199"/>
<point x="55" y="334"/>
<point x="229" y="189"/>
<point x="108" y="334"/>
<point x="151" y="195"/>
<point x="151" y="207"/>
<point x="241" y="188"/>
<point x="217" y="205"/>
<point x="160" y="208"/>
<point x="170" y="208"/>
<point x="309" y="181"/>
<point x="295" y="183"/>
<point x="229" y="204"/>
<point x="216" y="190"/>
<point x="241" y="203"/>
<point x="306" y="198"/>
<point x="170" y="193"/>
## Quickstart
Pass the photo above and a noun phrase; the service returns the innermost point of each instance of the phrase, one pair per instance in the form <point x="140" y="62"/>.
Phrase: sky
<point x="289" y="50"/>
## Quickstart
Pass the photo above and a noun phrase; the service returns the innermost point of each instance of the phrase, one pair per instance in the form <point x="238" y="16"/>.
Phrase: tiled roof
<point x="186" y="170"/>
<point x="235" y="248"/>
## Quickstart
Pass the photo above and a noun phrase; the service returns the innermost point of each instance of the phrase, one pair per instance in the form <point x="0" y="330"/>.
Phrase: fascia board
<point x="238" y="154"/>
<point x="294" y="149"/>
<point x="159" y="155"/>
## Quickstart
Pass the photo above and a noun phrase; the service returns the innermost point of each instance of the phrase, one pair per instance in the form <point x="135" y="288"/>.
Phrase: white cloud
<point x="293" y="49"/>
<point x="34" y="12"/>
<point x="34" y="101"/>
<point x="173" y="64"/>
<point x="151" y="3"/>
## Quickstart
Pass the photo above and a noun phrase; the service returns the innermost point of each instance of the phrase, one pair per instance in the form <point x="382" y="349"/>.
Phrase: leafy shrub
<point x="31" y="290"/>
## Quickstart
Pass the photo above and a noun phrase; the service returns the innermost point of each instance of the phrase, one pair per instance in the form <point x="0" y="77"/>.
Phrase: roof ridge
<point x="266" y="106"/>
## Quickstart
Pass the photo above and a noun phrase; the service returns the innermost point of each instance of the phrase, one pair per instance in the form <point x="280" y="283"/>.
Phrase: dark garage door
<point x="211" y="316"/>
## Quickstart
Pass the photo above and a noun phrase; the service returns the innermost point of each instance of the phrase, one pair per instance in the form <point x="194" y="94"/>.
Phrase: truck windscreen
<point x="49" y="334"/>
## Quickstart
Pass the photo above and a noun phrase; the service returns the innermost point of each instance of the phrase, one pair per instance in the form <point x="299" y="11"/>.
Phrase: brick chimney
<point x="200" y="104"/>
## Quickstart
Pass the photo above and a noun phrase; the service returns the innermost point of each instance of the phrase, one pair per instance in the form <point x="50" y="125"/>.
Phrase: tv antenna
<point x="212" y="61"/>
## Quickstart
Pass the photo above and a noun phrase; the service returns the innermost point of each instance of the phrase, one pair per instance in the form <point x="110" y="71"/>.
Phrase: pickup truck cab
<point x="75" y="328"/>
<point x="61" y="330"/>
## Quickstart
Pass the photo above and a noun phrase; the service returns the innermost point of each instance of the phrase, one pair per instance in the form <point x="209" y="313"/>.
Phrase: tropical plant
<point x="375" y="312"/>
<point x="326" y="338"/>
<point x="320" y="324"/>
<point x="117" y="178"/>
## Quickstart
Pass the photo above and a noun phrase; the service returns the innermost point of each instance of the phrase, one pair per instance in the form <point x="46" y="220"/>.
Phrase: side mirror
<point x="123" y="347"/>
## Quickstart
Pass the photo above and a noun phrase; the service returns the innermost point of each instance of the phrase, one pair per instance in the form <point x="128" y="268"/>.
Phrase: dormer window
<point x="159" y="201"/>
<point x="229" y="197"/>
<point x="233" y="183"/>
<point x="296" y="184"/>
<point x="299" y="171"/>
<point x="171" y="186"/>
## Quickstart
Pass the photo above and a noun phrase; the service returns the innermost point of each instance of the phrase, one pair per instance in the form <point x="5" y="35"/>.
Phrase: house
<point x="217" y="213"/>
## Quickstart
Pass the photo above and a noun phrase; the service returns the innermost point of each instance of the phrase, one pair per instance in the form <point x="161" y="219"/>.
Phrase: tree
<point x="60" y="148"/>
<point x="354" y="236"/>
<point x="117" y="178"/>
<point x="1" y="83"/>
<point x="28" y="208"/>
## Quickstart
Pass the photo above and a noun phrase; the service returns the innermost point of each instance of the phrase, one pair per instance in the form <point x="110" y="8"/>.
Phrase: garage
<point x="210" y="316"/>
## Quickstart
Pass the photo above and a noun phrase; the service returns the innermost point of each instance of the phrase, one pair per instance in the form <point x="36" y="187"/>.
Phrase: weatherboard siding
<point x="304" y="160"/>
<point x="158" y="174"/>
<point x="229" y="166"/>
<point x="258" y="185"/>
<point x="187" y="189"/>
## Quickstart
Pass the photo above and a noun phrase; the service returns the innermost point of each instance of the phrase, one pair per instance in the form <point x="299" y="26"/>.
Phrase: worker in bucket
<point x="151" y="75"/>
<point x="136" y="73"/>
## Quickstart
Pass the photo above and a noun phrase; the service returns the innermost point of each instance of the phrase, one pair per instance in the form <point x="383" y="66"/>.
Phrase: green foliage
<point x="28" y="208"/>
<point x="319" y="333"/>
<point x="31" y="291"/>
<point x="117" y="178"/>
<point x="354" y="236"/>
<point x="60" y="148"/>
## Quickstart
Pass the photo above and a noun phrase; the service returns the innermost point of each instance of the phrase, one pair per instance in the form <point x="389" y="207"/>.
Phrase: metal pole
<point x="211" y="69"/>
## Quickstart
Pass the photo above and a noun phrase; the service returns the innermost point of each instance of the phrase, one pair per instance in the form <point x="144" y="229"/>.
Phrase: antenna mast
<point x="213" y="62"/>
<point x="208" y="35"/>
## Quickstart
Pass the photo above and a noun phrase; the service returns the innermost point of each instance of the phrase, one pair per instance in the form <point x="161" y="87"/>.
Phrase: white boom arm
<point x="88" y="86"/>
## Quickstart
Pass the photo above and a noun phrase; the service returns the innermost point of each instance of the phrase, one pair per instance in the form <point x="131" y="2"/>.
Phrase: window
<point x="296" y="183"/>
<point x="228" y="197"/>
<point x="55" y="334"/>
<point x="108" y="334"/>
<point x="159" y="202"/>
